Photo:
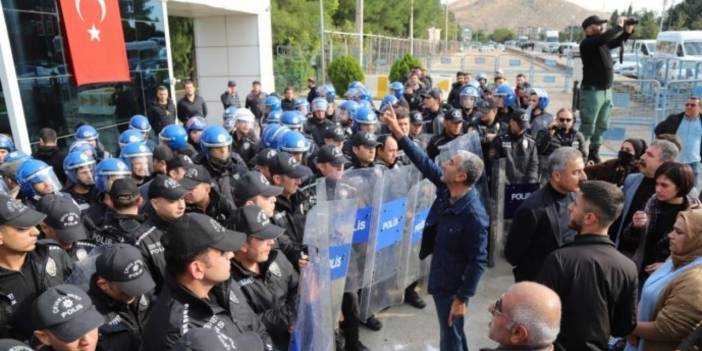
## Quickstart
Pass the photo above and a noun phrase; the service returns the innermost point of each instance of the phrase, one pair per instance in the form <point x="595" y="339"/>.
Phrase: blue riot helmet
<point x="6" y="144"/>
<point x="292" y="119"/>
<point x="366" y="104"/>
<point x="173" y="136"/>
<point x="397" y="88"/>
<point x="473" y="83"/>
<point x="86" y="133"/>
<point x="353" y="94"/>
<point x="347" y="110"/>
<point x="470" y="96"/>
<point x="215" y="137"/>
<point x="229" y="112"/>
<point x="328" y="92"/>
<point x="84" y="147"/>
<point x="196" y="123"/>
<point x="293" y="141"/>
<point x="320" y="104"/>
<point x="270" y="134"/>
<point x="507" y="94"/>
<point x="140" y="123"/>
<point x="355" y="85"/>
<point x="366" y="95"/>
<point x="228" y="124"/>
<point x="79" y="168"/>
<point x="36" y="178"/>
<point x="17" y="155"/>
<point x="272" y="103"/>
<point x="388" y="100"/>
<point x="138" y="158"/>
<point x="544" y="100"/>
<point x="130" y="136"/>
<point x="481" y="76"/>
<point x="273" y="117"/>
<point x="302" y="106"/>
<point x="109" y="170"/>
<point x="365" y="115"/>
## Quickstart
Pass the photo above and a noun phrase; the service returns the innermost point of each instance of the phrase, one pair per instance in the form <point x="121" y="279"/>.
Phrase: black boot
<point x="594" y="154"/>
<point x="412" y="297"/>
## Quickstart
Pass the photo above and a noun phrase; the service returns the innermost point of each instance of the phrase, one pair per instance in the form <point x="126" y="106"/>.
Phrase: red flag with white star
<point x="93" y="30"/>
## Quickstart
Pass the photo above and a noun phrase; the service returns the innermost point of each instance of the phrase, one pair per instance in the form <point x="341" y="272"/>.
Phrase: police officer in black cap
<point x="253" y="188"/>
<point x="27" y="268"/>
<point x="202" y="197"/>
<point x="123" y="223"/>
<point x="318" y="124"/>
<point x="334" y="135"/>
<point x="519" y="149"/>
<point x="199" y="292"/>
<point x="167" y="200"/>
<point x="121" y="289"/>
<point x="487" y="126"/>
<point x="452" y="129"/>
<point x="265" y="275"/>
<point x="432" y="112"/>
<point x="363" y="146"/>
<point x="63" y="226"/>
<point x="416" y="128"/>
<point x="386" y="152"/>
<point x="66" y="319"/>
<point x="292" y="204"/>
<point x="263" y="160"/>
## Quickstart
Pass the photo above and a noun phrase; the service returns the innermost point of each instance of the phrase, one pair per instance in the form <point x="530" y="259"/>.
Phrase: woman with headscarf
<point x="617" y="169"/>
<point x="671" y="299"/>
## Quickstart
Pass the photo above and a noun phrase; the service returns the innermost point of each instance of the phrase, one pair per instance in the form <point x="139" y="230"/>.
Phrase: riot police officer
<point x="316" y="125"/>
<point x="122" y="222"/>
<point x="243" y="142"/>
<point x="487" y="126"/>
<point x="219" y="160"/>
<point x="80" y="171"/>
<point x="64" y="227"/>
<point x="452" y="128"/>
<point x="202" y="197"/>
<point x="106" y="172"/>
<point x="519" y="149"/>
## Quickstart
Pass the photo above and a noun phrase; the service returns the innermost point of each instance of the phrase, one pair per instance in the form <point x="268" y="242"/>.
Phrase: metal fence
<point x="379" y="51"/>
<point x="547" y="73"/>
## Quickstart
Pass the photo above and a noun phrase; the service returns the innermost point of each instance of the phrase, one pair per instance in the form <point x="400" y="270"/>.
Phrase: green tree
<point x="342" y="71"/>
<point x="480" y="36"/>
<point x="686" y="15"/>
<point x="400" y="68"/>
<point x="501" y="35"/>
<point x="182" y="46"/>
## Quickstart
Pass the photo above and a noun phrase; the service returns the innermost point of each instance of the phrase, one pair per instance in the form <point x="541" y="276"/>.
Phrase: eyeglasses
<point x="565" y="120"/>
<point x="496" y="308"/>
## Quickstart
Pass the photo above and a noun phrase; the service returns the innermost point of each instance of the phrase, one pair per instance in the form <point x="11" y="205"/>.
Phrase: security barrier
<point x="543" y="72"/>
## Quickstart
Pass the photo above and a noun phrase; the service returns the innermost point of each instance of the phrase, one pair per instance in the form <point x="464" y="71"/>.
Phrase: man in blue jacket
<point x="455" y="232"/>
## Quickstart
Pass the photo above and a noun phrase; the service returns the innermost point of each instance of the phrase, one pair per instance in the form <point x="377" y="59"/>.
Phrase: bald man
<point x="526" y="317"/>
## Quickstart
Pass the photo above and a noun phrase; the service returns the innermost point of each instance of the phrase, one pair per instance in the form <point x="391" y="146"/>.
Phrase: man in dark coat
<point x="597" y="284"/>
<point x="541" y="222"/>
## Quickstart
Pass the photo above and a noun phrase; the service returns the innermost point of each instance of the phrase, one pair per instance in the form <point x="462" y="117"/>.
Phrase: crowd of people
<point x="191" y="237"/>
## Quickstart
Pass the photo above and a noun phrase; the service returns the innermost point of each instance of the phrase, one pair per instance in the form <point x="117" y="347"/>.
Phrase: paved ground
<point x="407" y="328"/>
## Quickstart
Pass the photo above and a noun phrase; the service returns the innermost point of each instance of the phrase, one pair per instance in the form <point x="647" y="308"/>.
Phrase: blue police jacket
<point x="455" y="233"/>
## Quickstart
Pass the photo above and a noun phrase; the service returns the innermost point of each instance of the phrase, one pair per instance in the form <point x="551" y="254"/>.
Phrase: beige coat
<point x="678" y="310"/>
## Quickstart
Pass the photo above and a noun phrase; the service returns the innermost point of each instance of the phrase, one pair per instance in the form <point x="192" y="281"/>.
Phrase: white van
<point x="683" y="44"/>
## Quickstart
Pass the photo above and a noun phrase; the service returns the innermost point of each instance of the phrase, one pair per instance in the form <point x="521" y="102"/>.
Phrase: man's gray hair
<point x="472" y="165"/>
<point x="669" y="152"/>
<point x="559" y="158"/>
<point x="541" y="332"/>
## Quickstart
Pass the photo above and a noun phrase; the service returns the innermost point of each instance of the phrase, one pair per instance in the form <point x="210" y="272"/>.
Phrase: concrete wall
<point x="234" y="46"/>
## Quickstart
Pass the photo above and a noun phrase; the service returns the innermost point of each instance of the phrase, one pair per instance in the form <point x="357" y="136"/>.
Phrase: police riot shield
<point x="467" y="142"/>
<point x="363" y="186"/>
<point x="420" y="199"/>
<point x="314" y="329"/>
<point x="84" y="269"/>
<point x="385" y="289"/>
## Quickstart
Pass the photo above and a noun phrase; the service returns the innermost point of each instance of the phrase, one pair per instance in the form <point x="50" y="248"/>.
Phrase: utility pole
<point x="446" y="29"/>
<point x="665" y="4"/>
<point x="359" y="29"/>
<point x="411" y="28"/>
<point x="323" y="65"/>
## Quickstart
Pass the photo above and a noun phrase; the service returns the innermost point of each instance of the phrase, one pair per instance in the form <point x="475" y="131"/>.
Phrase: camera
<point x="631" y="21"/>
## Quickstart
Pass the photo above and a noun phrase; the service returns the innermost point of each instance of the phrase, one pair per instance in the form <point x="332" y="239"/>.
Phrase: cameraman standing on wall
<point x="596" y="93"/>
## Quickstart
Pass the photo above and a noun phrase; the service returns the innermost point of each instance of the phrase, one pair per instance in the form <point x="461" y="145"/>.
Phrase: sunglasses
<point x="565" y="120"/>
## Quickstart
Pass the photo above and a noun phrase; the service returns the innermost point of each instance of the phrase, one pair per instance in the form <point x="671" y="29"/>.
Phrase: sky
<point x="611" y="5"/>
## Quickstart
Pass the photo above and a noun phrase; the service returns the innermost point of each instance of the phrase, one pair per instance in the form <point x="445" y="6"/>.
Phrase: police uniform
<point x="218" y="207"/>
<point x="222" y="173"/>
<point x="246" y="147"/>
<point x="317" y="129"/>
<point x="177" y="310"/>
<point x="548" y="143"/>
<point x="48" y="265"/>
<point x="122" y="265"/>
<point x="483" y="130"/>
<point x="522" y="159"/>
<point x="87" y="200"/>
<point x="120" y="228"/>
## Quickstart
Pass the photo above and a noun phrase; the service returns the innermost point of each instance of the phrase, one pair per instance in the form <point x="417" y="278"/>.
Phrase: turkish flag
<point x="93" y="29"/>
